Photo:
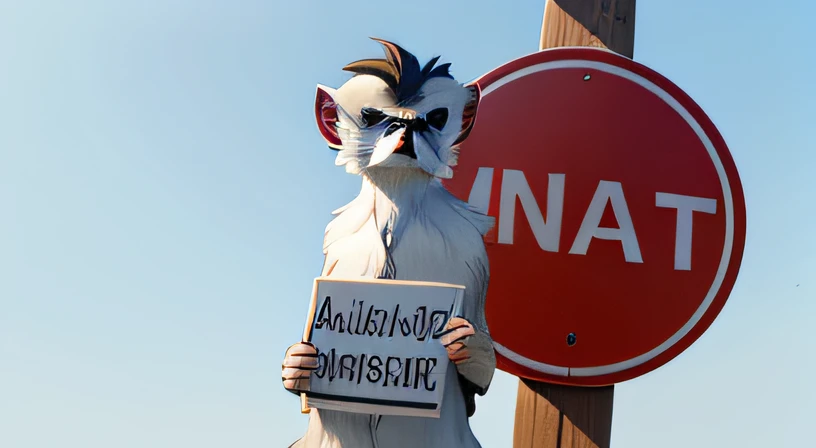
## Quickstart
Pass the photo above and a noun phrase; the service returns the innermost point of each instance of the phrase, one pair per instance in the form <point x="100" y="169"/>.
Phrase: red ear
<point x="469" y="114"/>
<point x="326" y="115"/>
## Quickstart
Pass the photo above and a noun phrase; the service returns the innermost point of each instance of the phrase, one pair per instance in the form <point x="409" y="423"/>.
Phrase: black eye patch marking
<point x="437" y="118"/>
<point x="372" y="116"/>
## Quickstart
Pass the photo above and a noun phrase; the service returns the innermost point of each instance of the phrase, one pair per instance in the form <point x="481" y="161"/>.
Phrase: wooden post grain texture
<point x="590" y="23"/>
<point x="549" y="415"/>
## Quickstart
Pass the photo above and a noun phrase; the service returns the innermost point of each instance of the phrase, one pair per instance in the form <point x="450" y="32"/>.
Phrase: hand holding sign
<point x="455" y="342"/>
<point x="298" y="364"/>
<point x="471" y="352"/>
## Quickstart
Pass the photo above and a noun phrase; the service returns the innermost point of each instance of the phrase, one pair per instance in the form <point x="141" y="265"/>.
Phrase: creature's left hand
<point x="456" y="342"/>
<point x="471" y="351"/>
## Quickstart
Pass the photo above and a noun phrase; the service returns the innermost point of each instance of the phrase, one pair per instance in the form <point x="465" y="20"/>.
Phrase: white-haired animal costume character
<point x="397" y="125"/>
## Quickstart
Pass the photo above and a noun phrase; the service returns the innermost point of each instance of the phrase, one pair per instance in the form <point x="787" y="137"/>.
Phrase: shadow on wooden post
<point x="550" y="416"/>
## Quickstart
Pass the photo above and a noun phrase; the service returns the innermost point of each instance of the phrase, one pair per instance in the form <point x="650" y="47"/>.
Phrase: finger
<point x="455" y="347"/>
<point x="454" y="324"/>
<point x="299" y="385"/>
<point x="460" y="356"/>
<point x="301" y="362"/>
<point x="457" y="322"/>
<point x="290" y="373"/>
<point x="457" y="335"/>
<point x="302" y="349"/>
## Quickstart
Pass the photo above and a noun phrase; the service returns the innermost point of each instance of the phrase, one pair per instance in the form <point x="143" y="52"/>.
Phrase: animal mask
<point x="394" y="113"/>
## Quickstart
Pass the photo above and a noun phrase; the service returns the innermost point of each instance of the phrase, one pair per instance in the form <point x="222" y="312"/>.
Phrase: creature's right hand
<point x="298" y="364"/>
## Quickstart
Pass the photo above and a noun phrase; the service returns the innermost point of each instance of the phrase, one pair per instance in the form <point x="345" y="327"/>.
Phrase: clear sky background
<point x="164" y="190"/>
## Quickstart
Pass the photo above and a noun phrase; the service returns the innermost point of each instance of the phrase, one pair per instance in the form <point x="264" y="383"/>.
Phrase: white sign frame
<point x="380" y="336"/>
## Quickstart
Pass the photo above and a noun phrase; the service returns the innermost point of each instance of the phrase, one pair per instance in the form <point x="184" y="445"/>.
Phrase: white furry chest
<point x="421" y="234"/>
<point x="424" y="252"/>
<point x="417" y="232"/>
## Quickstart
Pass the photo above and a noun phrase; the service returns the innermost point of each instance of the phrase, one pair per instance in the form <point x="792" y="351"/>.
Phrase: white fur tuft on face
<point x="440" y="97"/>
<point x="386" y="138"/>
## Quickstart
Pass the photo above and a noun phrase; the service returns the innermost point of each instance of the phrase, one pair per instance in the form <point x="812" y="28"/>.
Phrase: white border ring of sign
<point x="729" y="220"/>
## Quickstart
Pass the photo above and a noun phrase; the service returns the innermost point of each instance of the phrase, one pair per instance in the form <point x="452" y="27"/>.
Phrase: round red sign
<point x="620" y="215"/>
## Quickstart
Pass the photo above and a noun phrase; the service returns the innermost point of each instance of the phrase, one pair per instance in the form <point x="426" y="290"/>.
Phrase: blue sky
<point x="164" y="189"/>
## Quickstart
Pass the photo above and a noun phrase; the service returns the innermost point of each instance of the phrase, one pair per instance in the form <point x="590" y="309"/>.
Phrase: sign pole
<point x="606" y="24"/>
<point x="550" y="415"/>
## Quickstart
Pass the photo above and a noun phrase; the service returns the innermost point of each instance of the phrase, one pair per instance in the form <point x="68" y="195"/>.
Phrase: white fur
<point x="405" y="225"/>
<point x="435" y="237"/>
<point x="431" y="146"/>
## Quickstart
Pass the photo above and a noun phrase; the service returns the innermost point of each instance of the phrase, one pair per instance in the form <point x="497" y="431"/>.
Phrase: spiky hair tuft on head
<point x="400" y="70"/>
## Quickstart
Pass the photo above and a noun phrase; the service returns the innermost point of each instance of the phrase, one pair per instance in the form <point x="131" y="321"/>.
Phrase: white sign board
<point x="378" y="345"/>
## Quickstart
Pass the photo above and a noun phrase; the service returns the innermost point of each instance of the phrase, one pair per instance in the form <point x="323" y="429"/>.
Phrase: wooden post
<point x="553" y="416"/>
<point x="590" y="23"/>
<point x="548" y="415"/>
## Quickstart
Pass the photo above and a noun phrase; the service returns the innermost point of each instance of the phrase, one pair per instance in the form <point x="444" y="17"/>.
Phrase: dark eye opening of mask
<point x="372" y="116"/>
<point x="437" y="118"/>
